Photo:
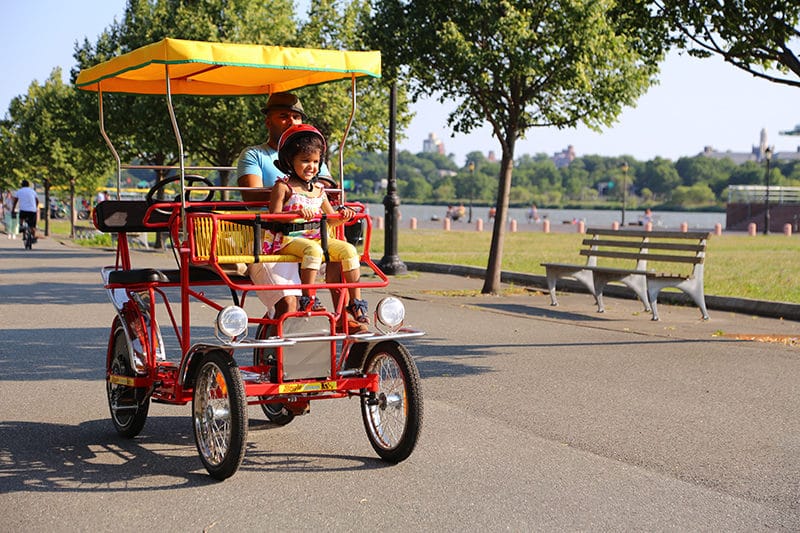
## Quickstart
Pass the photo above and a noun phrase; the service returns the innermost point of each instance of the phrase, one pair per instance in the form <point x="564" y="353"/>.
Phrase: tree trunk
<point x="491" y="283"/>
<point x="73" y="213"/>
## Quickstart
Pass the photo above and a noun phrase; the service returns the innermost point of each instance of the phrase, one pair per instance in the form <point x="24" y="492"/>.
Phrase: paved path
<point x="536" y="418"/>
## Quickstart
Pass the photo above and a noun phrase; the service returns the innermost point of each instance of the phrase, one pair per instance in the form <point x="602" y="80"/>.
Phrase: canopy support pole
<point x="179" y="140"/>
<point x="108" y="141"/>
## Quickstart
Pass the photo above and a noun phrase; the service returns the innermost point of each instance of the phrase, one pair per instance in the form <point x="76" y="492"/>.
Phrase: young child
<point x="300" y="151"/>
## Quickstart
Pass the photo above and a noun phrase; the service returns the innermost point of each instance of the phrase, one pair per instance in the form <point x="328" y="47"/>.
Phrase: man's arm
<point x="252" y="180"/>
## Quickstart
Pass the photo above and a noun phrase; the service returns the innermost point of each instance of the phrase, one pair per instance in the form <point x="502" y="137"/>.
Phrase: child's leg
<point x="347" y="254"/>
<point x="311" y="254"/>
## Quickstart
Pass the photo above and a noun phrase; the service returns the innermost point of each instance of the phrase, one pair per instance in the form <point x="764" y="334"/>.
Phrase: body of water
<point x="428" y="215"/>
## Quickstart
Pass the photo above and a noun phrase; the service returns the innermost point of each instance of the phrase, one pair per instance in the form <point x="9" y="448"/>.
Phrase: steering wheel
<point x="189" y="179"/>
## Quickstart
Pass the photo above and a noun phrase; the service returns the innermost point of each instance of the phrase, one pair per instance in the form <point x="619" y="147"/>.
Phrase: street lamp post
<point x="391" y="263"/>
<point x="471" y="189"/>
<point x="767" y="156"/>
<point x="624" y="189"/>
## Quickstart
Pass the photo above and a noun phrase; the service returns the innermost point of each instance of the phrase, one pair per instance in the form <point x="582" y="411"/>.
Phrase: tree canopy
<point x="760" y="37"/>
<point x="518" y="65"/>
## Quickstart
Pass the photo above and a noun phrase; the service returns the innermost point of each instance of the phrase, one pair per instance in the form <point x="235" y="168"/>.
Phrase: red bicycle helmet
<point x="284" y="162"/>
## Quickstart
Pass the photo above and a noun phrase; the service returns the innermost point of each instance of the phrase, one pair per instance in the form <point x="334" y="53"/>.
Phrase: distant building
<point x="564" y="157"/>
<point x="433" y="145"/>
<point x="757" y="153"/>
<point x="492" y="157"/>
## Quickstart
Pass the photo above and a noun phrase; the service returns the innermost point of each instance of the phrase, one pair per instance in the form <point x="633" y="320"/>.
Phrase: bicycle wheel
<point x="393" y="419"/>
<point x="219" y="412"/>
<point x="128" y="405"/>
<point x="27" y="237"/>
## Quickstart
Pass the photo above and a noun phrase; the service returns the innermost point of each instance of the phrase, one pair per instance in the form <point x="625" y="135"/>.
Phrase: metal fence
<point x="750" y="194"/>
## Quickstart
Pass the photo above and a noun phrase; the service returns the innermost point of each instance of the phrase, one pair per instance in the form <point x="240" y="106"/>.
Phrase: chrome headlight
<point x="389" y="314"/>
<point x="231" y="322"/>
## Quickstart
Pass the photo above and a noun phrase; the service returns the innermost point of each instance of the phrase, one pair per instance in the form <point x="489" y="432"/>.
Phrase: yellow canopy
<point x="203" y="68"/>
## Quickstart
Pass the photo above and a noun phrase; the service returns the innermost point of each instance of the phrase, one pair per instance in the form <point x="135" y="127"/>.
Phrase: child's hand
<point x="347" y="213"/>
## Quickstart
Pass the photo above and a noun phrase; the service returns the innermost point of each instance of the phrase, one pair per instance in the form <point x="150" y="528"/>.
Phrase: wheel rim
<point x="213" y="414"/>
<point x="389" y="417"/>
<point x="116" y="394"/>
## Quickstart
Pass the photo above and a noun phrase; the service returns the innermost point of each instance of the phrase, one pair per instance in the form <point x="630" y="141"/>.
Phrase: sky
<point x="698" y="102"/>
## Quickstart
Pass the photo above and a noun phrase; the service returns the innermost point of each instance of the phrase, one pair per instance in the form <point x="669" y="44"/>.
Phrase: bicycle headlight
<point x="389" y="314"/>
<point x="231" y="322"/>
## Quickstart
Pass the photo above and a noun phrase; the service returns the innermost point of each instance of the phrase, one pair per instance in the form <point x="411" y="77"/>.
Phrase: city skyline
<point x="697" y="103"/>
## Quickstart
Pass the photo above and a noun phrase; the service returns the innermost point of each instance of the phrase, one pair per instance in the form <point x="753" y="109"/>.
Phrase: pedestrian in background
<point x="10" y="220"/>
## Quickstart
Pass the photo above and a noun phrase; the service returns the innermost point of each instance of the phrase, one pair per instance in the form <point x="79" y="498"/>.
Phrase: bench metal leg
<point x="639" y="285"/>
<point x="636" y="282"/>
<point x="551" y="286"/>
<point x="584" y="276"/>
<point x="692" y="286"/>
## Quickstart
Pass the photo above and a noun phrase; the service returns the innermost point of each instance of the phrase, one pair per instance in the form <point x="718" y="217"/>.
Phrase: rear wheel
<point x="128" y="405"/>
<point x="27" y="236"/>
<point x="393" y="417"/>
<point x="220" y="415"/>
<point x="277" y="413"/>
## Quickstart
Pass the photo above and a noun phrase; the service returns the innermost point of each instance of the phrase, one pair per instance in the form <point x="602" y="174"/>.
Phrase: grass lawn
<point x="760" y="267"/>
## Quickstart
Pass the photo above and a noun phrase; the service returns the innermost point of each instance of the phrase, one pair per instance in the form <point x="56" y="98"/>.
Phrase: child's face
<point x="306" y="165"/>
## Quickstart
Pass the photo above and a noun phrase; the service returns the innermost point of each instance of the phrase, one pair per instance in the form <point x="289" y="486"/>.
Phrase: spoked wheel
<point x="27" y="236"/>
<point x="277" y="413"/>
<point x="393" y="419"/>
<point x="128" y="405"/>
<point x="220" y="415"/>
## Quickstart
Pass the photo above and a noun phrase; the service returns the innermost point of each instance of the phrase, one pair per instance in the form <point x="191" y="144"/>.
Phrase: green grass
<point x="760" y="267"/>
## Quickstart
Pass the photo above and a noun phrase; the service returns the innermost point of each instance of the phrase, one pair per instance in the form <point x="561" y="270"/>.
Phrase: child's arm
<point x="346" y="213"/>
<point x="277" y="197"/>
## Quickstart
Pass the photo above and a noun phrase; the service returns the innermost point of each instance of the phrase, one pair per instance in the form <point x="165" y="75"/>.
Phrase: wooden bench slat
<point x="661" y="234"/>
<point x="647" y="257"/>
<point x="652" y="245"/>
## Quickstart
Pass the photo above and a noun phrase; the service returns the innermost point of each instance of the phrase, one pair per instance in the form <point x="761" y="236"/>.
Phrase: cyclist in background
<point x="28" y="203"/>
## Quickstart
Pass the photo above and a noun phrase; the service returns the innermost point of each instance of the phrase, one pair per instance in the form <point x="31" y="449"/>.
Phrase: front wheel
<point x="128" y="405"/>
<point x="219" y="413"/>
<point x="393" y="417"/>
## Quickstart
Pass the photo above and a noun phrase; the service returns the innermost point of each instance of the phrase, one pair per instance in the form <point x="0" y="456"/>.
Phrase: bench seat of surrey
<point x="639" y="260"/>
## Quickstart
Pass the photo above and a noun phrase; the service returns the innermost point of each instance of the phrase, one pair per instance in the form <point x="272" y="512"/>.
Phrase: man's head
<point x="282" y="111"/>
<point x="25" y="183"/>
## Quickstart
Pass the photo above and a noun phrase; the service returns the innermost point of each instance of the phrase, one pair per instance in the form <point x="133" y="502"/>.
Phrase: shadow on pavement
<point x="92" y="457"/>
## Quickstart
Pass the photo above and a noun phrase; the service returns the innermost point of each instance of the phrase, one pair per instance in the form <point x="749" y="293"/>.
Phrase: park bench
<point x="645" y="261"/>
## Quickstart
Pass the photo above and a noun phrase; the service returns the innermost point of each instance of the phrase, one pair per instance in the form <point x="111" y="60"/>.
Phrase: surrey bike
<point x="287" y="362"/>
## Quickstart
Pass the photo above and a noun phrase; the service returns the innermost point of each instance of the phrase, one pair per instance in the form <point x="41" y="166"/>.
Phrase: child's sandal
<point x="359" y="309"/>
<point x="307" y="303"/>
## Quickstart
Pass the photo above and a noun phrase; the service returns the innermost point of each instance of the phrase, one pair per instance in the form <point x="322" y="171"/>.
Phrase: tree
<point x="757" y="37"/>
<point x="518" y="65"/>
<point x="45" y="141"/>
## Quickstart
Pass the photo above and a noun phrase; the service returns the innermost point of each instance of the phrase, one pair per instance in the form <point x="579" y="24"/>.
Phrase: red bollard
<point x="787" y="230"/>
<point x="413" y="222"/>
<point x="684" y="227"/>
<point x="581" y="227"/>
<point x="751" y="229"/>
<point x="380" y="222"/>
<point x="615" y="225"/>
<point x="512" y="226"/>
<point x="447" y="224"/>
<point x="717" y="229"/>
<point x="546" y="226"/>
<point x="479" y="225"/>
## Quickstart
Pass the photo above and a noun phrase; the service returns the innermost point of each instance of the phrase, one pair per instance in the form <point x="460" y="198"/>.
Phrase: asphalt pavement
<point x="536" y="418"/>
